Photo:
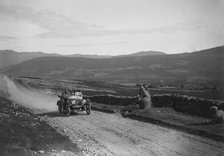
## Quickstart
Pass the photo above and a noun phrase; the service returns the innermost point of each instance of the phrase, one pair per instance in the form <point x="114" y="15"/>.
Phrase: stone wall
<point x="182" y="103"/>
<point x="113" y="100"/>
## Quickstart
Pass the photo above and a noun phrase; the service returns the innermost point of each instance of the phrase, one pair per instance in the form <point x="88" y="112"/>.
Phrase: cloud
<point x="183" y="26"/>
<point x="6" y="38"/>
<point x="56" y="25"/>
<point x="48" y="20"/>
<point x="86" y="32"/>
<point x="60" y="26"/>
<point x="91" y="44"/>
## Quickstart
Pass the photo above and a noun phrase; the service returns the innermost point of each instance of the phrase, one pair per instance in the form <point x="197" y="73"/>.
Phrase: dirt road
<point x="110" y="134"/>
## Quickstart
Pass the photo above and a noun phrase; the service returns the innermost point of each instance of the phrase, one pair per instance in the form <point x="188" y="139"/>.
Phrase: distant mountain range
<point x="146" y="53"/>
<point x="10" y="57"/>
<point x="89" y="56"/>
<point x="138" y="67"/>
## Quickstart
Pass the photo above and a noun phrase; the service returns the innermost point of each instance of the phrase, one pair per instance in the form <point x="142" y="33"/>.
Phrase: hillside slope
<point x="146" y="53"/>
<point x="26" y="134"/>
<point x="10" y="57"/>
<point x="206" y="64"/>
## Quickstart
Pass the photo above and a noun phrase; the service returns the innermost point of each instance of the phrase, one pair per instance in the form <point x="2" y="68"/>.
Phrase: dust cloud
<point x="28" y="97"/>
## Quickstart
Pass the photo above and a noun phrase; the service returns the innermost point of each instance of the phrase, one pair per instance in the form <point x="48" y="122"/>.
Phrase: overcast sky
<point x="111" y="27"/>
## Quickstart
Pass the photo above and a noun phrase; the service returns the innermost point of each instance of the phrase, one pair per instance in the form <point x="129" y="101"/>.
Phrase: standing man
<point x="145" y="97"/>
<point x="143" y="101"/>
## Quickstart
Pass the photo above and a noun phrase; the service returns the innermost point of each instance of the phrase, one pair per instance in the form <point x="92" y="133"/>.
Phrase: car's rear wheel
<point x="60" y="109"/>
<point x="67" y="110"/>
<point x="88" y="109"/>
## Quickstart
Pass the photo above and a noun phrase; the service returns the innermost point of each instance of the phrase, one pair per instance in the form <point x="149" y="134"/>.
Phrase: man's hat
<point x="138" y="85"/>
<point x="145" y="85"/>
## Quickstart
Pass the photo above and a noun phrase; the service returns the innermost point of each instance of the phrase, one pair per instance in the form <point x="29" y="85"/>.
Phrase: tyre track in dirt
<point x="111" y="134"/>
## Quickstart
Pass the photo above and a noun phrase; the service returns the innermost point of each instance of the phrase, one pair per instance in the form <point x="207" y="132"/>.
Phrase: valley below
<point x="106" y="131"/>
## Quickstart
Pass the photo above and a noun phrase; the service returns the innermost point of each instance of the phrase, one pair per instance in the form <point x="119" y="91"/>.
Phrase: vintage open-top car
<point x="73" y="101"/>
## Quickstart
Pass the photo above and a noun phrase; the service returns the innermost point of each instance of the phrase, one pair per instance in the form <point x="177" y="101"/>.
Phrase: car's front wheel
<point x="60" y="109"/>
<point x="67" y="110"/>
<point x="88" y="109"/>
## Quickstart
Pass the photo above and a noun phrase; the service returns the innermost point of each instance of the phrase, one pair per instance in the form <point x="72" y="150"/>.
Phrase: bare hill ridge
<point x="146" y="53"/>
<point x="206" y="64"/>
<point x="11" y="57"/>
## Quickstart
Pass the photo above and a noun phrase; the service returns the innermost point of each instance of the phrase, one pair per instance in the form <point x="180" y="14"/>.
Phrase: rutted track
<point x="111" y="134"/>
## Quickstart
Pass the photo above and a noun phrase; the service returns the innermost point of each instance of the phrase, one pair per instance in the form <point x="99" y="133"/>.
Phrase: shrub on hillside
<point x="217" y="115"/>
